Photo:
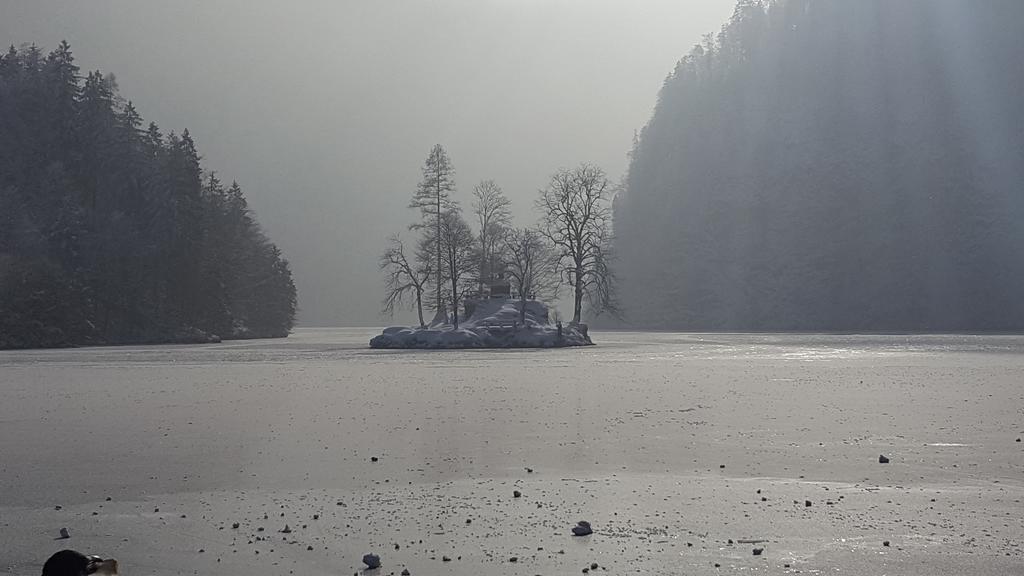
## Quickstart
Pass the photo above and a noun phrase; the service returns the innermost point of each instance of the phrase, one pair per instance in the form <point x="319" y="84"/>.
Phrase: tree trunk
<point x="419" y="306"/>
<point x="577" y="305"/>
<point x="455" y="303"/>
<point x="438" y="240"/>
<point x="522" y="309"/>
<point x="483" y="266"/>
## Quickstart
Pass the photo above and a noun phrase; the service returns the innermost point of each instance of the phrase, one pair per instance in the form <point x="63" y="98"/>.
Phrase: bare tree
<point x="458" y="248"/>
<point x="491" y="208"/>
<point x="532" y="266"/>
<point x="404" y="279"/>
<point x="576" y="219"/>
<point x="433" y="199"/>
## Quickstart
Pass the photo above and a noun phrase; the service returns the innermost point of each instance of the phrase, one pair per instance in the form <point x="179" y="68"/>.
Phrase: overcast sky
<point x="324" y="111"/>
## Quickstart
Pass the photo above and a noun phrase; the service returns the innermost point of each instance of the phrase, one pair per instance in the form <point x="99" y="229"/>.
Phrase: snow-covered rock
<point x="495" y="323"/>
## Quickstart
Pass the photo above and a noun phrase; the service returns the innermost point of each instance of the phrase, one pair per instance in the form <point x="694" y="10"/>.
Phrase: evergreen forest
<point x="111" y="231"/>
<point x="834" y="165"/>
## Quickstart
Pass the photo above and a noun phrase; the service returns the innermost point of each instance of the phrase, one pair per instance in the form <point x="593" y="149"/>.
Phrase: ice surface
<point x="629" y="436"/>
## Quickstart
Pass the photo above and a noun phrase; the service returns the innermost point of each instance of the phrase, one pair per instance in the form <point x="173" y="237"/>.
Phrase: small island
<point x="494" y="323"/>
<point x="498" y="276"/>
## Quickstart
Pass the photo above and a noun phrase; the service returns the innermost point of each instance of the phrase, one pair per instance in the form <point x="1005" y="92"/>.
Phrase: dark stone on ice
<point x="582" y="528"/>
<point x="886" y="543"/>
<point x="406" y="572"/>
<point x="371" y="561"/>
<point x="807" y="503"/>
<point x="234" y="525"/>
<point x="516" y="494"/>
<point x="374" y="459"/>
<point x="883" y="460"/>
<point x="758" y="551"/>
<point x="593" y="565"/>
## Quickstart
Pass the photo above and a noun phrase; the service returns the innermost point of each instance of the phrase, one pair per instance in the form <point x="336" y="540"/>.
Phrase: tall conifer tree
<point x="433" y="199"/>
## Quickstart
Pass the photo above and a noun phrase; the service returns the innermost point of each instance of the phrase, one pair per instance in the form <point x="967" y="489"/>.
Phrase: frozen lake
<point x="669" y="444"/>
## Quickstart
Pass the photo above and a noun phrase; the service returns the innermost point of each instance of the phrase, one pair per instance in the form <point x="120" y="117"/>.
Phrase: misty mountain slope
<point x="112" y="233"/>
<point x="834" y="165"/>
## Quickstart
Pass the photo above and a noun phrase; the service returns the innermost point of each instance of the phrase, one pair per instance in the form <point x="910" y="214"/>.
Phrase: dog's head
<point x="71" y="563"/>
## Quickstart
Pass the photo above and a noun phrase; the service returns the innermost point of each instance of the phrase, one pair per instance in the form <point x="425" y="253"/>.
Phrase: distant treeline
<point x="110" y="232"/>
<point x="834" y="165"/>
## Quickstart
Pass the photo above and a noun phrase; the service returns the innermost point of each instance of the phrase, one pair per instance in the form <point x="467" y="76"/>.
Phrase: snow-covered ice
<point x="199" y="447"/>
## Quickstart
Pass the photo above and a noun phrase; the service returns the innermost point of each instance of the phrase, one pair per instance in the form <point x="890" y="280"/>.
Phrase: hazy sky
<point x="324" y="111"/>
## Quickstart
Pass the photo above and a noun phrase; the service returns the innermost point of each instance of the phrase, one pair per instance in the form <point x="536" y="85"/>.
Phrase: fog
<point x="325" y="111"/>
<point x="834" y="166"/>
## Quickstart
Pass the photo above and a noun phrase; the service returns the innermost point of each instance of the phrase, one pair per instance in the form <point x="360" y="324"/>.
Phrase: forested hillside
<point x="834" y="165"/>
<point x="110" y="231"/>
